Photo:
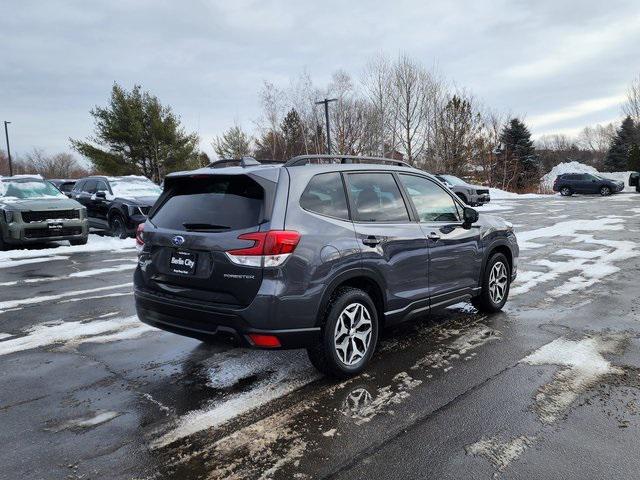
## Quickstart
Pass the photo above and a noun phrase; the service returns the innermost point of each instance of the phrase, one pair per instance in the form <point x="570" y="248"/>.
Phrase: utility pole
<point x="6" y="135"/>
<point x="326" y="116"/>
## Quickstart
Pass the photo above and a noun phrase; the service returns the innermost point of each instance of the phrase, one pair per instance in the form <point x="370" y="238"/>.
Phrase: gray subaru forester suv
<point x="318" y="253"/>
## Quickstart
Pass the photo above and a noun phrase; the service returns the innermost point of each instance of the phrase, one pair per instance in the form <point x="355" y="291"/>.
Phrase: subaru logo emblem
<point x="178" y="240"/>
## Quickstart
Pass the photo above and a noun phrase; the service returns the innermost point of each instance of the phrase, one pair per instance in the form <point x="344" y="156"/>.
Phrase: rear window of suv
<point x="211" y="203"/>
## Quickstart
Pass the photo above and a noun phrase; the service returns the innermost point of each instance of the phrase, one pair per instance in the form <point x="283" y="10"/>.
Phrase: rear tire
<point x="605" y="191"/>
<point x="3" y="245"/>
<point x="349" y="335"/>
<point x="117" y="226"/>
<point x="566" y="192"/>
<point x="496" y="281"/>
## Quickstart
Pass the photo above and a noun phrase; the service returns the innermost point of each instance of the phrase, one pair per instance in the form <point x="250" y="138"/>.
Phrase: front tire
<point x="496" y="282"/>
<point x="605" y="191"/>
<point x="349" y="335"/>
<point x="566" y="192"/>
<point x="117" y="226"/>
<point x="79" y="241"/>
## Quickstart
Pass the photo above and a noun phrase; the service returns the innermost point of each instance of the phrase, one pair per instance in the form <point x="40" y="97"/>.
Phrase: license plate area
<point x="182" y="262"/>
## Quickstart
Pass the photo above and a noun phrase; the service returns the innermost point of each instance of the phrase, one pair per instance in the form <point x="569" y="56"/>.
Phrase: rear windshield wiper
<point x="204" y="227"/>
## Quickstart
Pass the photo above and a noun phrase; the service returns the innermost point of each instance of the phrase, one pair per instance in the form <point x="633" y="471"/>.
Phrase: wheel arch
<point x="496" y="247"/>
<point x="363" y="279"/>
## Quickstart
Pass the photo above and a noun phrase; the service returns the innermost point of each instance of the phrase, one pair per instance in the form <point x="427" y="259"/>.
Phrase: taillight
<point x="139" y="239"/>
<point x="270" y="249"/>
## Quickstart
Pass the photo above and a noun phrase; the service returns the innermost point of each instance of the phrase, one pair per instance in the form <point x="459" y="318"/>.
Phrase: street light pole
<point x="6" y="135"/>
<point x="326" y="116"/>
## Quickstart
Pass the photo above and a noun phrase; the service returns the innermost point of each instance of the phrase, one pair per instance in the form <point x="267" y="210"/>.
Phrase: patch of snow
<point x="96" y="243"/>
<point x="498" y="452"/>
<point x="99" y="271"/>
<point x="71" y="334"/>
<point x="28" y="261"/>
<point x="567" y="229"/>
<point x="288" y="371"/>
<point x="13" y="304"/>
<point x="496" y="193"/>
<point x="94" y="297"/>
<point x="583" y="365"/>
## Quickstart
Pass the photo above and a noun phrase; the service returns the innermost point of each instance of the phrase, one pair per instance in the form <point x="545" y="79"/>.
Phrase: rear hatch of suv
<point x="193" y="232"/>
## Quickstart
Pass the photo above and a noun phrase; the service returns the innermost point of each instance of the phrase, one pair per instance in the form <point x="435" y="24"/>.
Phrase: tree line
<point x="395" y="108"/>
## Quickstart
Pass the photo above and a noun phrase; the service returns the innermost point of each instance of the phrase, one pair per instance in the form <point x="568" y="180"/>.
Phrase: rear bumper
<point x="221" y="323"/>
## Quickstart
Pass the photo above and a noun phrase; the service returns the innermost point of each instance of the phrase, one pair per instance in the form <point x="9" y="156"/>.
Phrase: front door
<point x="392" y="246"/>
<point x="455" y="258"/>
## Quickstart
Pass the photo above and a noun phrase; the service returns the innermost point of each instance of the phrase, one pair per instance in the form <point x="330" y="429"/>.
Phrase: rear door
<point x="195" y="222"/>
<point x="391" y="243"/>
<point x="455" y="257"/>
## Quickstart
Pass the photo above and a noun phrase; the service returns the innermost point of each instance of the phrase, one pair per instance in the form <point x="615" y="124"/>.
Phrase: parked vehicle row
<point x="319" y="253"/>
<point x="34" y="210"/>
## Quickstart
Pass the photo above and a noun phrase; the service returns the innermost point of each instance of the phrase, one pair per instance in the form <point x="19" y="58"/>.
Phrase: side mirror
<point x="469" y="216"/>
<point x="101" y="195"/>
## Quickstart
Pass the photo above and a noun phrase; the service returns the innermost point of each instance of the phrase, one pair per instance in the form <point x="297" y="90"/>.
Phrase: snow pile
<point x="133" y="186"/>
<point x="497" y="194"/>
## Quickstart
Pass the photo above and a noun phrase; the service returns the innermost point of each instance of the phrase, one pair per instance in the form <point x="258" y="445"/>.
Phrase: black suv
<point x="569" y="183"/>
<point x="318" y="253"/>
<point x="116" y="204"/>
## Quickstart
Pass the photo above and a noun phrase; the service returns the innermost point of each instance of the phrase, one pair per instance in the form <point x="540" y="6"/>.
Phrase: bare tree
<point x="273" y="107"/>
<point x="632" y="105"/>
<point x="60" y="165"/>
<point x="377" y="83"/>
<point x="410" y="88"/>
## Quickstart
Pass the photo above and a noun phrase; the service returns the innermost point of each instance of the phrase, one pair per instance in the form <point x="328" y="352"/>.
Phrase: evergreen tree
<point x="270" y="146"/>
<point x="634" y="158"/>
<point x="618" y="154"/>
<point x="519" y="155"/>
<point x="293" y="134"/>
<point x="234" y="143"/>
<point x="135" y="134"/>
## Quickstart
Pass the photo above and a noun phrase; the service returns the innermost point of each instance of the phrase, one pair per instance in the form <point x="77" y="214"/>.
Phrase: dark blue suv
<point x="569" y="183"/>
<point x="320" y="252"/>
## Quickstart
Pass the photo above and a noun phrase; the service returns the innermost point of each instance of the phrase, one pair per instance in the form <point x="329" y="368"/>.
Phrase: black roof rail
<point x="324" y="158"/>
<point x="241" y="162"/>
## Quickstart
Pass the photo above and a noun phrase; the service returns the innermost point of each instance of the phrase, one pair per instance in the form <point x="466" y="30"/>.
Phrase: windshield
<point x="134" y="187"/>
<point x="25" y="188"/>
<point x="451" y="180"/>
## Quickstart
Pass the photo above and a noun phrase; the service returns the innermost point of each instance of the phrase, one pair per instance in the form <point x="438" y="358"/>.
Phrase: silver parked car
<point x="32" y="210"/>
<point x="473" y="195"/>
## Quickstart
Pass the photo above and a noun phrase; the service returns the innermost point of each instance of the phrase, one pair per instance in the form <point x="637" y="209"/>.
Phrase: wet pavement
<point x="549" y="388"/>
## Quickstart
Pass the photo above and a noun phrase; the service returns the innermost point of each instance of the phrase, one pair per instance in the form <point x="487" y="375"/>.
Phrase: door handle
<point x="433" y="236"/>
<point x="371" y="241"/>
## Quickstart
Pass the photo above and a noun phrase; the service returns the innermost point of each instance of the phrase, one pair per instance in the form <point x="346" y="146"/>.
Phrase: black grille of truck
<point x="50" y="215"/>
<point x="51" y="232"/>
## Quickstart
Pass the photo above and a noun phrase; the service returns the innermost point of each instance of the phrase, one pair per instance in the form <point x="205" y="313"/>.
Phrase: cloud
<point x="576" y="110"/>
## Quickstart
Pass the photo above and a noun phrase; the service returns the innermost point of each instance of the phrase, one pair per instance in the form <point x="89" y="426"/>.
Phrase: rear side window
<point x="325" y="195"/>
<point x="212" y="203"/>
<point x="376" y="198"/>
<point x="90" y="186"/>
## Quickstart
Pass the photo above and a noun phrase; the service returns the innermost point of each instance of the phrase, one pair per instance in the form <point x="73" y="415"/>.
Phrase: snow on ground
<point x="499" y="452"/>
<point x="98" y="418"/>
<point x="59" y="250"/>
<point x="587" y="266"/>
<point x="287" y="371"/>
<point x="71" y="334"/>
<point x="497" y="194"/>
<point x="582" y="366"/>
<point x="20" y="303"/>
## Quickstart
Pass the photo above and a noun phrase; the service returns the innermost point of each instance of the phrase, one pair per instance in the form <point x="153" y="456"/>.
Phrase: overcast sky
<point x="560" y="64"/>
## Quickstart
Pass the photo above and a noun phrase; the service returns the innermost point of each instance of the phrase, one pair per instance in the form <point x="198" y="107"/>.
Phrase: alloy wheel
<point x="498" y="281"/>
<point x="352" y="335"/>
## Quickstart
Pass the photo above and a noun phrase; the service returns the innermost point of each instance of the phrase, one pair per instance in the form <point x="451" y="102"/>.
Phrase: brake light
<point x="270" y="249"/>
<point x="139" y="239"/>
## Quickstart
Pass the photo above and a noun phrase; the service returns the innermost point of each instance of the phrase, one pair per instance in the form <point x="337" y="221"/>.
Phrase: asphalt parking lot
<point x="547" y="389"/>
